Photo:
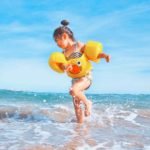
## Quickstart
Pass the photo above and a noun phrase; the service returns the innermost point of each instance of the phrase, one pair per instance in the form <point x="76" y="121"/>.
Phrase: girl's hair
<point x="63" y="29"/>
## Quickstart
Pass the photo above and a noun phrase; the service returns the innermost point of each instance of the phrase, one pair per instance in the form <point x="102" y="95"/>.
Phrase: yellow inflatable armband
<point x="92" y="50"/>
<point x="56" y="59"/>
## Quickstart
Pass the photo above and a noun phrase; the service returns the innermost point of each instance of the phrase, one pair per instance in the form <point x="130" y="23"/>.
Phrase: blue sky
<point x="123" y="27"/>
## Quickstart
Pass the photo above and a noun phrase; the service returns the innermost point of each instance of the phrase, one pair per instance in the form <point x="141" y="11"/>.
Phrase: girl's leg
<point x="78" y="111"/>
<point x="77" y="91"/>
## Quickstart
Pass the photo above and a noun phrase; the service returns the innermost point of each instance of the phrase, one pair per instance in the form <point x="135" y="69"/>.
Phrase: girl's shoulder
<point x="81" y="46"/>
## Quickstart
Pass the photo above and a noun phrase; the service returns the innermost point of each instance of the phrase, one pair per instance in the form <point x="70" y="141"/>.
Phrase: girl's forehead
<point x="58" y="38"/>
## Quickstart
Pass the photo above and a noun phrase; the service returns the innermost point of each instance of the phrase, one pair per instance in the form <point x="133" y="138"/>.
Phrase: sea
<point x="46" y="121"/>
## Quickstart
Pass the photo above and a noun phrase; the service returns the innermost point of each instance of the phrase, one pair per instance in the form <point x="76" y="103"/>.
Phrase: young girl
<point x="71" y="49"/>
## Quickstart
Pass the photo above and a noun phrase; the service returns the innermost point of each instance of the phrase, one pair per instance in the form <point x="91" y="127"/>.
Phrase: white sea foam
<point x="102" y="146"/>
<point x="146" y="147"/>
<point x="44" y="100"/>
<point x="44" y="135"/>
<point x="61" y="107"/>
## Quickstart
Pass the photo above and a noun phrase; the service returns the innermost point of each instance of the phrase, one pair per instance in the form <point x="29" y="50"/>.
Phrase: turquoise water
<point x="30" y="120"/>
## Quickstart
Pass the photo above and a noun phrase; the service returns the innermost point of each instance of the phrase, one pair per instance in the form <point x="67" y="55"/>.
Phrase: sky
<point x="26" y="42"/>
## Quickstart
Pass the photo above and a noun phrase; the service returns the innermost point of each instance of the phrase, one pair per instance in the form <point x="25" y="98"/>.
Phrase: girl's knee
<point x="73" y="91"/>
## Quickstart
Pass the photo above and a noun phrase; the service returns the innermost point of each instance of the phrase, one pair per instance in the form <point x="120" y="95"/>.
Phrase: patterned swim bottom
<point x="87" y="77"/>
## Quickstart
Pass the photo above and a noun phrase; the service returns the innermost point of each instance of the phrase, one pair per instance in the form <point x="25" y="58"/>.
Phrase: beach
<point x="46" y="121"/>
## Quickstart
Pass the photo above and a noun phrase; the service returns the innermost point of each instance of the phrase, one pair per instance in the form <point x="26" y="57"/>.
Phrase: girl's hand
<point x="107" y="58"/>
<point x="68" y="67"/>
<point x="65" y="67"/>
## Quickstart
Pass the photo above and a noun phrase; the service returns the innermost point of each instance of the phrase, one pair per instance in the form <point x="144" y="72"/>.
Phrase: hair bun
<point x="64" y="22"/>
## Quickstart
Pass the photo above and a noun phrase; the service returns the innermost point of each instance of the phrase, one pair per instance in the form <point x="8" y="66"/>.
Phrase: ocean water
<point x="46" y="121"/>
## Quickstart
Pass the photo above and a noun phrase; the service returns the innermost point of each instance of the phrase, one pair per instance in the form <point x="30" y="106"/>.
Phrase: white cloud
<point x="16" y="27"/>
<point x="29" y="74"/>
<point x="116" y="18"/>
<point x="120" y="81"/>
<point x="32" y="47"/>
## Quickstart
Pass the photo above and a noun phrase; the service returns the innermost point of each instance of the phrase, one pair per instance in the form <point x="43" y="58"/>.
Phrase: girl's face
<point x="62" y="41"/>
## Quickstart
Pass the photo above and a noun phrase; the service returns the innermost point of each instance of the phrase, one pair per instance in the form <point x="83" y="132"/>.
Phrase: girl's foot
<point x="88" y="109"/>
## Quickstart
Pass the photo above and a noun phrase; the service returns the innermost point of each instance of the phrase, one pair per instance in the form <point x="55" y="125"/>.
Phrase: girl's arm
<point x="105" y="56"/>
